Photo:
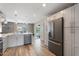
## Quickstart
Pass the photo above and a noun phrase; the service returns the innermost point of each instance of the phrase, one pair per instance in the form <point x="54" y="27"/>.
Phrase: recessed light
<point x="34" y="15"/>
<point x="15" y="13"/>
<point x="44" y="5"/>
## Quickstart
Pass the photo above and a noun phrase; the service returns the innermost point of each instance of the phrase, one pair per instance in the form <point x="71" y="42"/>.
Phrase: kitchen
<point x="17" y="33"/>
<point x="39" y="29"/>
<point x="11" y="38"/>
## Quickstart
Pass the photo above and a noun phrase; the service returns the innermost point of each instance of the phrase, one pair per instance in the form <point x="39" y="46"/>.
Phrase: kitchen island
<point x="15" y="39"/>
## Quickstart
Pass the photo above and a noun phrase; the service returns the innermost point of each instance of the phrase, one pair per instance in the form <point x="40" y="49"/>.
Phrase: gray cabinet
<point x="27" y="39"/>
<point x="11" y="27"/>
<point x="31" y="28"/>
<point x="5" y="28"/>
<point x="8" y="28"/>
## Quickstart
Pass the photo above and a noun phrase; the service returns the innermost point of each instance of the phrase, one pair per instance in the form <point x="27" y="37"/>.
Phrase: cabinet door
<point x="19" y="40"/>
<point x="12" y="41"/>
<point x="11" y="27"/>
<point x="27" y="39"/>
<point x="68" y="41"/>
<point x="69" y="17"/>
<point x="77" y="29"/>
<point x="5" y="44"/>
<point x="5" y="28"/>
<point x="77" y="41"/>
<point x="77" y="15"/>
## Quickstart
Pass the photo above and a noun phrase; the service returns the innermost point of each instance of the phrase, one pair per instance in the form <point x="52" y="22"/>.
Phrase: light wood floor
<point x="35" y="49"/>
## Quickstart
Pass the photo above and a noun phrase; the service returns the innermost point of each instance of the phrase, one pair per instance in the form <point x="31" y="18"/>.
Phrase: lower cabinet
<point x="76" y="42"/>
<point x="5" y="43"/>
<point x="27" y="39"/>
<point x="11" y="41"/>
<point x="19" y="40"/>
<point x="15" y="40"/>
<point x="68" y="41"/>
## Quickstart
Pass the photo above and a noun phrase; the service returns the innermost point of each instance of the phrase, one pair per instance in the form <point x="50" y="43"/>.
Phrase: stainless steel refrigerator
<point x="55" y="42"/>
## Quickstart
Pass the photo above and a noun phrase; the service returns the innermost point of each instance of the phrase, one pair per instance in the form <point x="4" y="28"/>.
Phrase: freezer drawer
<point x="56" y="48"/>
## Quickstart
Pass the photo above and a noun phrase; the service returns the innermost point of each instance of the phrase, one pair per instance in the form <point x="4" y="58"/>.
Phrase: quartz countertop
<point x="23" y="33"/>
<point x="8" y="34"/>
<point x="4" y="35"/>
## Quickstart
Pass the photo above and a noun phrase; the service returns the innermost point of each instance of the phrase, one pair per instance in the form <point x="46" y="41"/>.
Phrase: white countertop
<point x="24" y="33"/>
<point x="8" y="34"/>
<point x="4" y="35"/>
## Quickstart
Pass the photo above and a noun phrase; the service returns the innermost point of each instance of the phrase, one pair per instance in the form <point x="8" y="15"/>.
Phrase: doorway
<point x="37" y="32"/>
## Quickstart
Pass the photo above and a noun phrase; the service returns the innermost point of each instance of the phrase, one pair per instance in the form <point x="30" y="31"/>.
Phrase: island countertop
<point x="8" y="34"/>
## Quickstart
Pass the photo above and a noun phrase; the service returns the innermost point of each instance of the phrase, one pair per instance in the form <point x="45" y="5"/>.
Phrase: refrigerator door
<point x="58" y="30"/>
<point x="56" y="48"/>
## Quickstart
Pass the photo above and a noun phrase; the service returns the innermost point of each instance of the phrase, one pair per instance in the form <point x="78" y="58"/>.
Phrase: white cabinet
<point x="68" y="41"/>
<point x="77" y="15"/>
<point x="19" y="40"/>
<point x="77" y="30"/>
<point x="12" y="41"/>
<point x="5" y="42"/>
<point x="76" y="41"/>
<point x="15" y="40"/>
<point x="76" y="37"/>
<point x="69" y="31"/>
<point x="69" y="16"/>
<point x="76" y="51"/>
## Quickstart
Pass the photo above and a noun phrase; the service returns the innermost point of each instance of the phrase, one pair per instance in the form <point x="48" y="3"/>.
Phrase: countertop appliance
<point x="55" y="42"/>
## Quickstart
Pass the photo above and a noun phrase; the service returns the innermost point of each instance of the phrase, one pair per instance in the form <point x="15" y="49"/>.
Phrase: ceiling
<point x="30" y="12"/>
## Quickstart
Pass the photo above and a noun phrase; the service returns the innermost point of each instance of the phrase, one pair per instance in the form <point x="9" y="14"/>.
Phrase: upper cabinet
<point x="68" y="15"/>
<point x="8" y="28"/>
<point x="77" y="15"/>
<point x="55" y="16"/>
<point x="31" y="28"/>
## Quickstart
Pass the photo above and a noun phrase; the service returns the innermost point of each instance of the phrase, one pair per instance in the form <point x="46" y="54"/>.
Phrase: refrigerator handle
<point x="55" y="43"/>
